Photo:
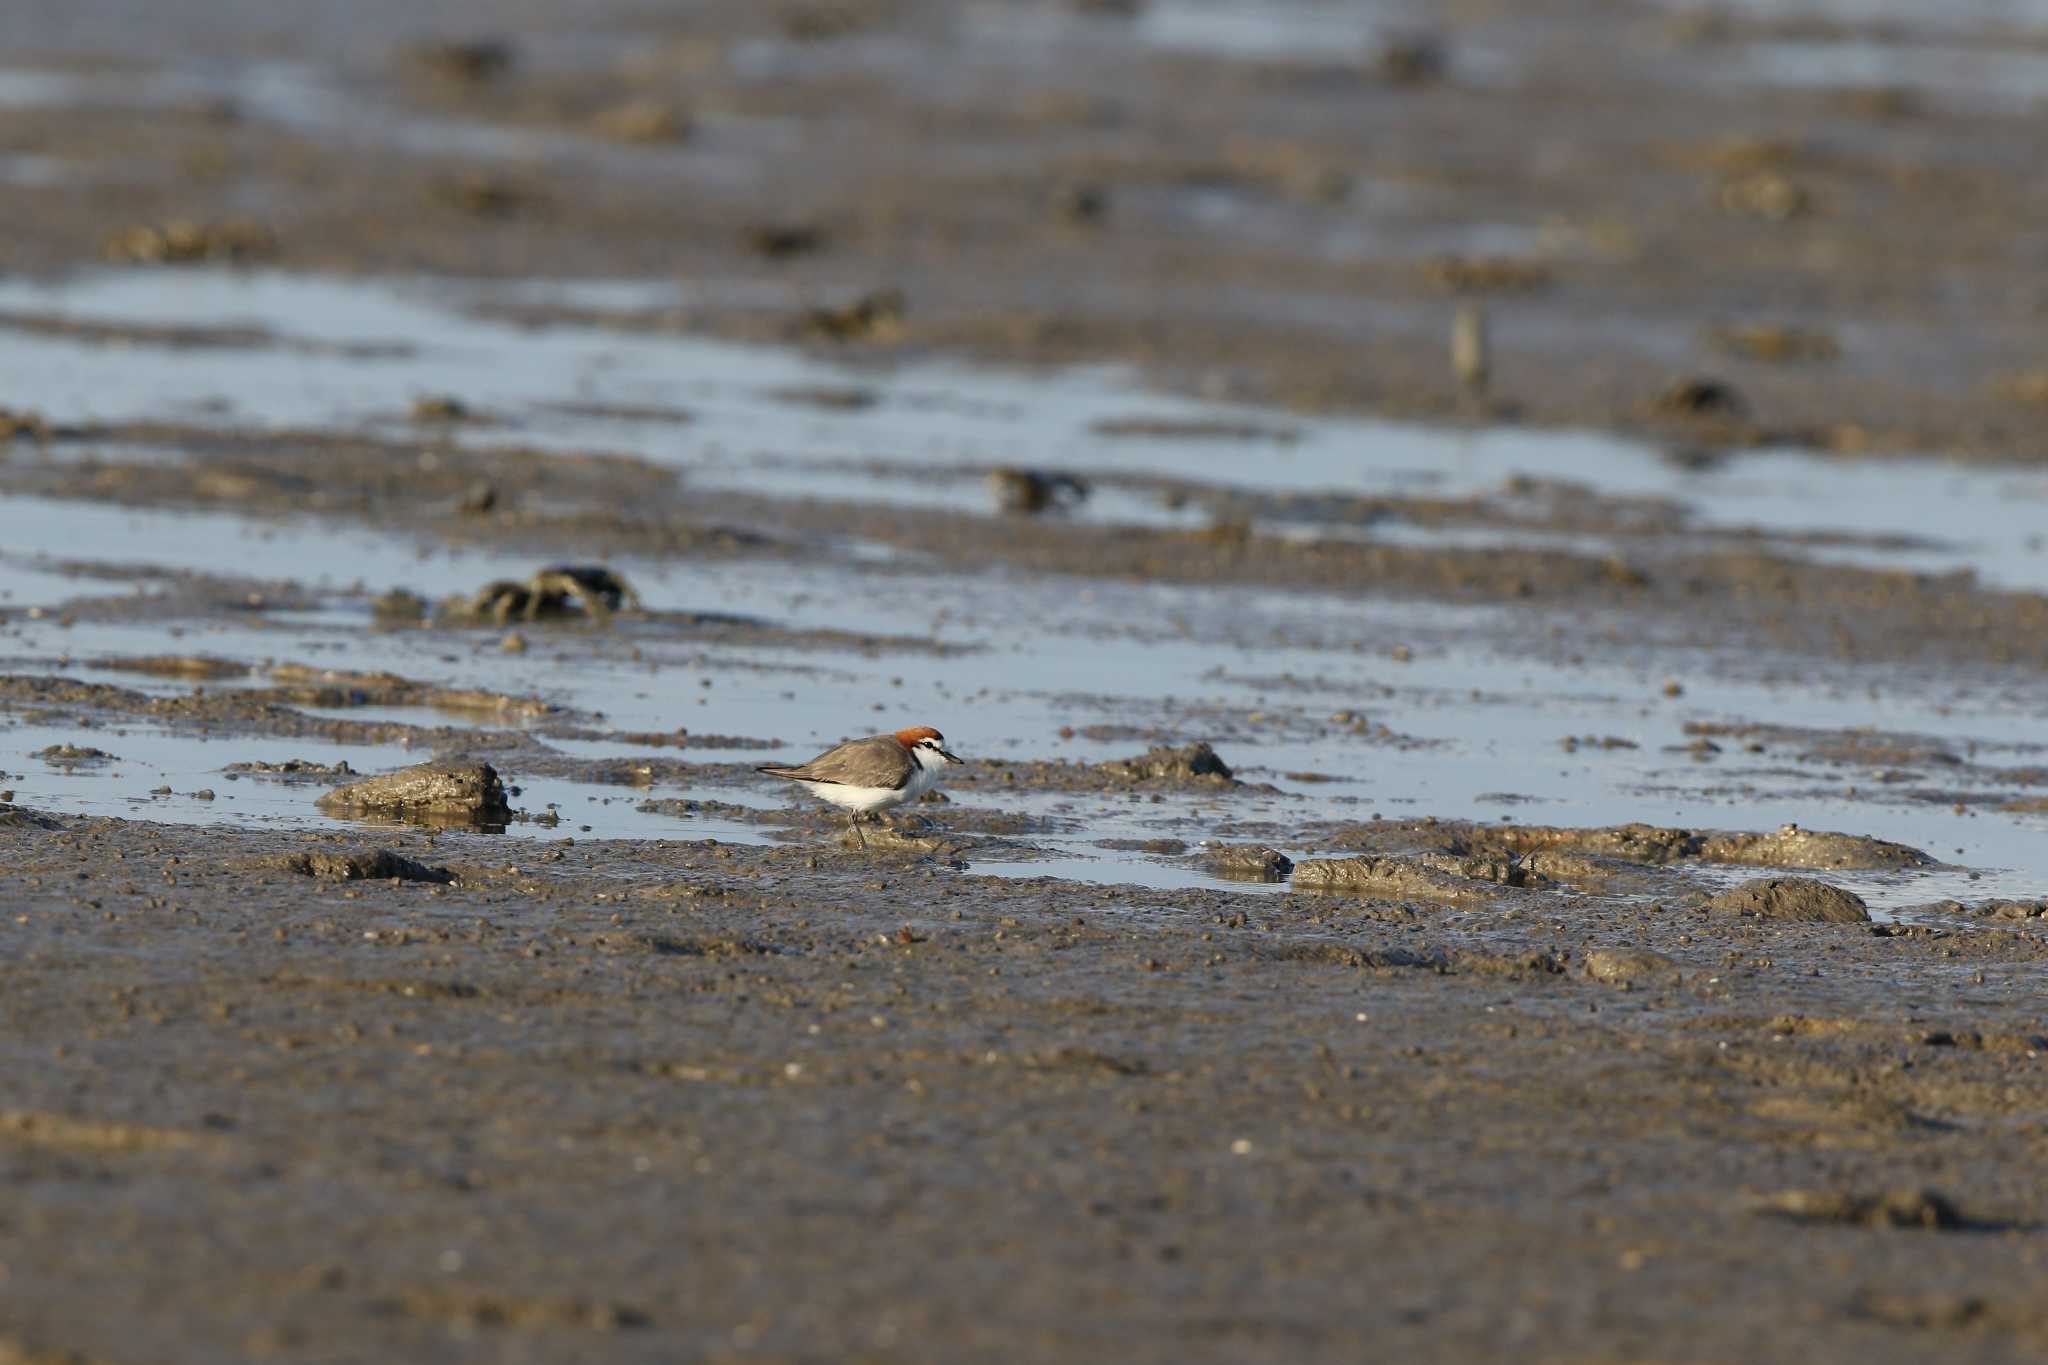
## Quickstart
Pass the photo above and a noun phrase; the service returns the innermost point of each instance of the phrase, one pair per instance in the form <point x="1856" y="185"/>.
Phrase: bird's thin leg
<point x="853" y="823"/>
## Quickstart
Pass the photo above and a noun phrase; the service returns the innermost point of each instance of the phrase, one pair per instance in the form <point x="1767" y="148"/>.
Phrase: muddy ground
<point x="1581" y="1057"/>
<point x="1635" y="191"/>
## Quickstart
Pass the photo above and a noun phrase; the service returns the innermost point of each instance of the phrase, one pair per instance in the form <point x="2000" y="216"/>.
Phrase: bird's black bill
<point x="950" y="756"/>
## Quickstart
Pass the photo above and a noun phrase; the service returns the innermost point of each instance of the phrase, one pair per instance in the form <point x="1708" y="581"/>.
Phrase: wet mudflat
<point x="1561" y="879"/>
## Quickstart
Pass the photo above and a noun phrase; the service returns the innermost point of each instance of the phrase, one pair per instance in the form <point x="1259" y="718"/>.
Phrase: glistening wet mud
<point x="1559" y="846"/>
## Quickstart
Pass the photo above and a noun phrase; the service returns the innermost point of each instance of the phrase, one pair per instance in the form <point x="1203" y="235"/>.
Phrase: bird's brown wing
<point x="877" y="761"/>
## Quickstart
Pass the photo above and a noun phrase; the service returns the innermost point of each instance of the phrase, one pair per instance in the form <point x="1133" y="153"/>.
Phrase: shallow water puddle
<point x="1484" y="729"/>
<point x="145" y="757"/>
<point x="386" y="343"/>
<point x="1469" y="727"/>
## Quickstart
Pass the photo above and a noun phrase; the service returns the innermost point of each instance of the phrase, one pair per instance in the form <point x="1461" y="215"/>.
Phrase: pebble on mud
<point x="1798" y="899"/>
<point x="363" y="865"/>
<point x="449" y="788"/>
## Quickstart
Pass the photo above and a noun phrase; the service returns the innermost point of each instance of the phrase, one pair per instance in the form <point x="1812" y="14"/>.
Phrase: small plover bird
<point x="872" y="774"/>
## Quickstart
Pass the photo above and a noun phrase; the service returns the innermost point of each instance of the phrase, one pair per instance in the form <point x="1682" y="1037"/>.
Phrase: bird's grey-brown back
<point x="876" y="761"/>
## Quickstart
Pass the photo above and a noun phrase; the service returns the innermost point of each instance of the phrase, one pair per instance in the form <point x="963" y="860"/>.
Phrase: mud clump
<point x="177" y="666"/>
<point x="1801" y="900"/>
<point x="306" y="685"/>
<point x="1587" y="871"/>
<point x="72" y="755"/>
<point x="1625" y="966"/>
<point x="185" y="243"/>
<point x="292" y="769"/>
<point x="1167" y="846"/>
<point x="1486" y="275"/>
<point x="364" y="865"/>
<point x="1195" y="762"/>
<point x="18" y="817"/>
<point x="1383" y="875"/>
<point x="780" y="241"/>
<point x="1792" y="846"/>
<point x="871" y="317"/>
<point x="1775" y="344"/>
<point x="461" y="62"/>
<point x="442" y="790"/>
<point x="1247" y="863"/>
<point x="1028" y="492"/>
<point x="560" y="591"/>
<point x="1896" y="1209"/>
<point x="641" y="120"/>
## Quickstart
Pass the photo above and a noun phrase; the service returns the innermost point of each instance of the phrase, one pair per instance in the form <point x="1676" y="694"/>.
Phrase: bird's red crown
<point x="908" y="738"/>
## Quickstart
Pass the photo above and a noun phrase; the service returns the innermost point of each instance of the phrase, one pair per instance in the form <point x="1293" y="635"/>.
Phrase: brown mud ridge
<point x="862" y="1060"/>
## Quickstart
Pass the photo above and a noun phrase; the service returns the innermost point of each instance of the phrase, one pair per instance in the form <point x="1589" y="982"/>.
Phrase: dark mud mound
<point x="72" y="755"/>
<point x="1790" y="846"/>
<point x="1247" y="863"/>
<point x="1625" y="966"/>
<point x="364" y="865"/>
<point x="451" y="790"/>
<point x="1797" y="899"/>
<point x="19" y="817"/>
<point x="1431" y="876"/>
<point x="1195" y="762"/>
<point x="1158" y="768"/>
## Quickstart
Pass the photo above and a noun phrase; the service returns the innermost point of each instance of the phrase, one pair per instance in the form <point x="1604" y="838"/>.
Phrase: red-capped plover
<point x="872" y="774"/>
